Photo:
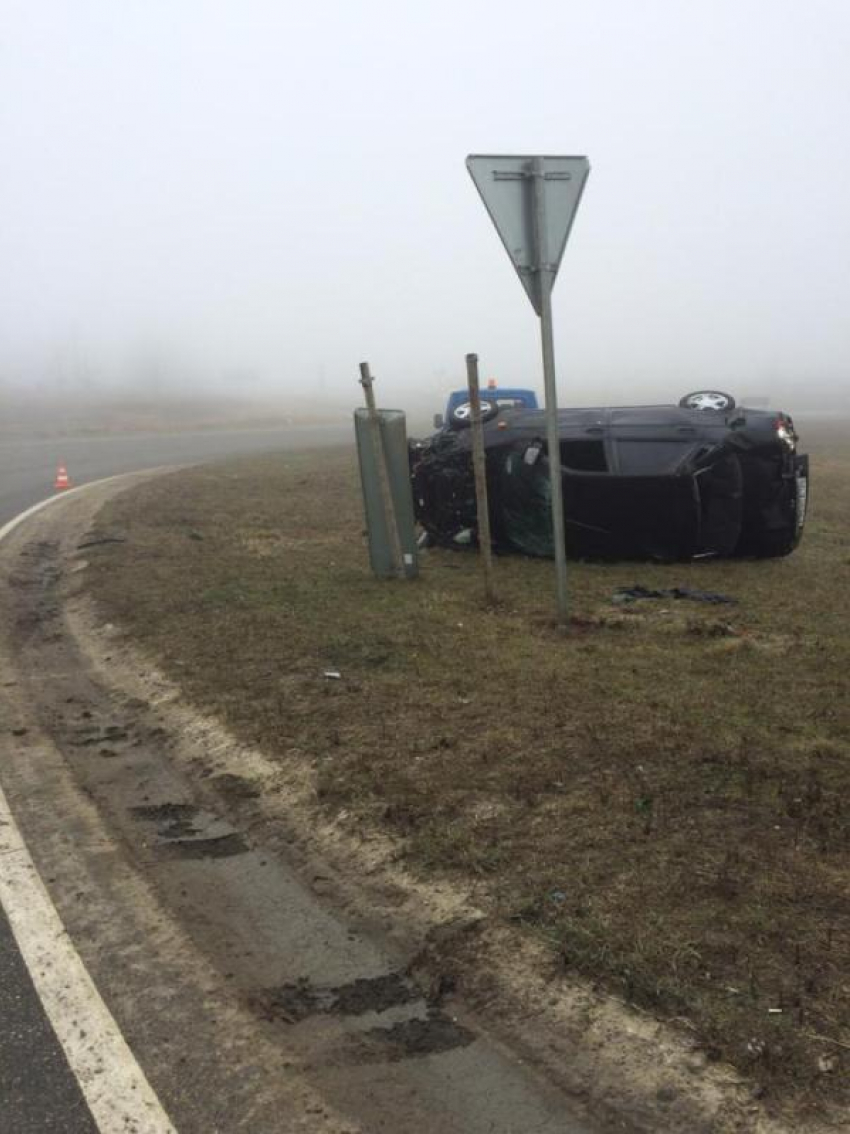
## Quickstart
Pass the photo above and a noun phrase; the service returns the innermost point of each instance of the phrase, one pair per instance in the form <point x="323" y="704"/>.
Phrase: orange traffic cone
<point x="62" y="478"/>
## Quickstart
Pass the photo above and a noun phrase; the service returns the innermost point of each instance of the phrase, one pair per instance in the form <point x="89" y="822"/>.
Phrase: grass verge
<point x="660" y="795"/>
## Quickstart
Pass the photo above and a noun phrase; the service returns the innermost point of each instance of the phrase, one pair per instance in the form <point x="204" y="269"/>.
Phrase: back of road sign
<point x="506" y="187"/>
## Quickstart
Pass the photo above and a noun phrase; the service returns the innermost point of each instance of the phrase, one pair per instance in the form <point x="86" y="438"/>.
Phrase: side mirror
<point x="438" y="421"/>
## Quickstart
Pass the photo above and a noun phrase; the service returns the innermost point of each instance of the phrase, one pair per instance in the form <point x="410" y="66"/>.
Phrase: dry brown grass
<point x="661" y="794"/>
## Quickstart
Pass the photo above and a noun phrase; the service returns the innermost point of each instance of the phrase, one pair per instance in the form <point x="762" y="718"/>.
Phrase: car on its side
<point x="670" y="482"/>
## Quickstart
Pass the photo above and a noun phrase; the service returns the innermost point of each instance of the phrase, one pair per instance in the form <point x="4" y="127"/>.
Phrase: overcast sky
<point x="256" y="194"/>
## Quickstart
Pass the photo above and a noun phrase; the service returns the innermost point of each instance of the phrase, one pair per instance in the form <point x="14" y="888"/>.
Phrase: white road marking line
<point x="115" y="1088"/>
<point x="118" y="1095"/>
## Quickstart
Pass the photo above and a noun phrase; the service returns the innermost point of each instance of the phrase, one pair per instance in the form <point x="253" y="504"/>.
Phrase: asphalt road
<point x="38" y="1093"/>
<point x="28" y="466"/>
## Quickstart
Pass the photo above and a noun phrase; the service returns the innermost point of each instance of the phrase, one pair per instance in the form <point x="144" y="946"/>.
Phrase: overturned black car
<point x="704" y="478"/>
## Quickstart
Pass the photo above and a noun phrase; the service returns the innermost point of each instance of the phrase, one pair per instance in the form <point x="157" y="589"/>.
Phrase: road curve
<point x="466" y="1084"/>
<point x="28" y="464"/>
<point x="37" y="1088"/>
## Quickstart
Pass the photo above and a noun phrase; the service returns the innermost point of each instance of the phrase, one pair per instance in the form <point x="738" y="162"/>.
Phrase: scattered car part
<point x="624" y="595"/>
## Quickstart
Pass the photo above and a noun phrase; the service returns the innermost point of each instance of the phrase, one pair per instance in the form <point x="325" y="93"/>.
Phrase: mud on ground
<point x="322" y="1017"/>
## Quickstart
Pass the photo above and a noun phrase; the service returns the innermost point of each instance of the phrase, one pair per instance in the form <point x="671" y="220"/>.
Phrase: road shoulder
<point x="617" y="1060"/>
<point x="184" y="1026"/>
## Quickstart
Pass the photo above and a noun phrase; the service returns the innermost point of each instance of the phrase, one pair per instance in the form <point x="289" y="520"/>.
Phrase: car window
<point x="652" y="457"/>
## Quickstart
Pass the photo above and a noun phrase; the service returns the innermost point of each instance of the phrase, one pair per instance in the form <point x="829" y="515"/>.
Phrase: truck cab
<point x="459" y="411"/>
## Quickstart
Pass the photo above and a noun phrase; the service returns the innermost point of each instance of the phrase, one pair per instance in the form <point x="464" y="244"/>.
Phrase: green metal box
<point x="394" y="438"/>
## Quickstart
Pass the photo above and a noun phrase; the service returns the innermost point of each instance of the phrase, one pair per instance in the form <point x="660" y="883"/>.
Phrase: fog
<point x="244" y="200"/>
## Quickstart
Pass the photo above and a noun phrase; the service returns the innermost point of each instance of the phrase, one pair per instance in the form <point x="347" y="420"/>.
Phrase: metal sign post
<point x="532" y="202"/>
<point x="479" y="468"/>
<point x="546" y="278"/>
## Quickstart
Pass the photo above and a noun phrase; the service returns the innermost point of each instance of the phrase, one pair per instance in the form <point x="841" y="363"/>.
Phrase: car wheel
<point x="707" y="400"/>
<point x="461" y="416"/>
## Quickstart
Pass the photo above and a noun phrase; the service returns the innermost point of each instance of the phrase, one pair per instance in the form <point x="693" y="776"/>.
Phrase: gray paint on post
<point x="394" y="438"/>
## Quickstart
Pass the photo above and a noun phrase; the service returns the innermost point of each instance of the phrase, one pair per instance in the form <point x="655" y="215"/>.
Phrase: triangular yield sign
<point x="506" y="185"/>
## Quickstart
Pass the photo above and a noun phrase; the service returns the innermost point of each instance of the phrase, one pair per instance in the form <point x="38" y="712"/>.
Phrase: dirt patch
<point x="655" y="801"/>
<point x="180" y="814"/>
<point x="435" y="1031"/>
<point x="412" y="1038"/>
<point x="235" y="786"/>
<point x="295" y="1002"/>
<point x="181" y="830"/>
<point x="223" y="846"/>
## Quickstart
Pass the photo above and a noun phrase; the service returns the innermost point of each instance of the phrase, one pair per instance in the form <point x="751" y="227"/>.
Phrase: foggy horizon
<point x="212" y="200"/>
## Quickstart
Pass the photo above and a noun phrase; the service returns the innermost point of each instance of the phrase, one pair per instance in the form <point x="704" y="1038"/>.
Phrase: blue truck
<point x="459" y="412"/>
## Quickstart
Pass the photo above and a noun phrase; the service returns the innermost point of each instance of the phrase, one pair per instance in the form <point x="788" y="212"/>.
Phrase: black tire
<point x="708" y="400"/>
<point x="461" y="416"/>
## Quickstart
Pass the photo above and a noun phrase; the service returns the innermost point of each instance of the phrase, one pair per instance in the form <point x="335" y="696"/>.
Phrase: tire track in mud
<point x="376" y="1045"/>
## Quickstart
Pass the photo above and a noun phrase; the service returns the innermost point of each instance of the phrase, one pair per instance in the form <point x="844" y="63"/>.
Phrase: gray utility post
<point x="479" y="467"/>
<point x="532" y="202"/>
